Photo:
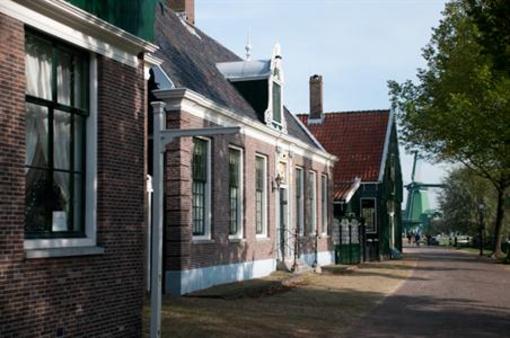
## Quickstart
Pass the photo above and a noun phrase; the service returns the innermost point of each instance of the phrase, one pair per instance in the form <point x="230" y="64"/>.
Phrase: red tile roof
<point x="343" y="191"/>
<point x="357" y="139"/>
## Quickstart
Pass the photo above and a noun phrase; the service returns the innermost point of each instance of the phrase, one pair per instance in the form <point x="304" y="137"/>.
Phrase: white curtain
<point x="36" y="135"/>
<point x="64" y="79"/>
<point x="38" y="76"/>
<point x="38" y="68"/>
<point x="61" y="149"/>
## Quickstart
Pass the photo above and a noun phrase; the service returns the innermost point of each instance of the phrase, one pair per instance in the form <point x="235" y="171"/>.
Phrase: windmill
<point x="417" y="213"/>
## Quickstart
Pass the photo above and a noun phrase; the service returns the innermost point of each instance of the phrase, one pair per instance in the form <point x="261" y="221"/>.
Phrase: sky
<point x="356" y="45"/>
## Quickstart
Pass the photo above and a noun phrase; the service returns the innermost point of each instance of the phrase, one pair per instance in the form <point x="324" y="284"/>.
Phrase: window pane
<point x="234" y="189"/>
<point x="259" y="173"/>
<point x="324" y="203"/>
<point x="234" y="210"/>
<point x="38" y="200"/>
<point x="259" y="194"/>
<point x="79" y="138"/>
<point x="198" y="208"/>
<point x="61" y="140"/>
<point x="64" y="67"/>
<point x="299" y="206"/>
<point x="36" y="136"/>
<point x="61" y="207"/>
<point x="78" y="204"/>
<point x="259" y="213"/>
<point x="80" y="83"/>
<point x="368" y="213"/>
<point x="277" y="105"/>
<point x="38" y="63"/>
<point x="199" y="164"/>
<point x="234" y="165"/>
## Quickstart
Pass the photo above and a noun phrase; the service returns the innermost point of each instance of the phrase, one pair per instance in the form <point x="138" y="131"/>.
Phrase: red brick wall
<point x="89" y="295"/>
<point x="181" y="251"/>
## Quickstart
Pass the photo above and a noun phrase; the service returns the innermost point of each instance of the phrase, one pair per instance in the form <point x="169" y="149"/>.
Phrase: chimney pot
<point x="184" y="7"/>
<point x="316" y="109"/>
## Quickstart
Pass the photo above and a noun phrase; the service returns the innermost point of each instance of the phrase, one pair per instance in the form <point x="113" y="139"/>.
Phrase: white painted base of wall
<point x="324" y="258"/>
<point x="186" y="281"/>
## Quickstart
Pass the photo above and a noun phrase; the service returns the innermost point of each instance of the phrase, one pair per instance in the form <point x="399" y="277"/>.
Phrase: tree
<point x="459" y="109"/>
<point x="459" y="201"/>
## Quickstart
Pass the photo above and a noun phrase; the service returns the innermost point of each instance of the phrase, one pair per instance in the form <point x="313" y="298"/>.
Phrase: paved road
<point x="449" y="294"/>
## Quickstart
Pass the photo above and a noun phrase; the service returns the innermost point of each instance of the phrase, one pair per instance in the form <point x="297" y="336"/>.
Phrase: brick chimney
<point x="186" y="8"/>
<point x="316" y="110"/>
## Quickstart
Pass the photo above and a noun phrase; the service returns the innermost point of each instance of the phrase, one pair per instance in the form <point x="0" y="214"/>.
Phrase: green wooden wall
<point x="134" y="16"/>
<point x="391" y="188"/>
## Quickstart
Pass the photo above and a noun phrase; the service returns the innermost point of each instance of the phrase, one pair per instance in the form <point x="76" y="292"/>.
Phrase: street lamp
<point x="481" y="208"/>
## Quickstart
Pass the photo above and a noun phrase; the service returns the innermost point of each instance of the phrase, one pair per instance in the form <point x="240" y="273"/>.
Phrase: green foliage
<point x="460" y="199"/>
<point x="459" y="109"/>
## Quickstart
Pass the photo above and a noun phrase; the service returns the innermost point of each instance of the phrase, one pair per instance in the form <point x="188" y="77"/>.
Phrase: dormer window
<point x="260" y="83"/>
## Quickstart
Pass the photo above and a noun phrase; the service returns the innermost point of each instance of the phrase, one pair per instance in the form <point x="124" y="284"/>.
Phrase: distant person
<point x="417" y="239"/>
<point x="409" y="238"/>
<point x="429" y="240"/>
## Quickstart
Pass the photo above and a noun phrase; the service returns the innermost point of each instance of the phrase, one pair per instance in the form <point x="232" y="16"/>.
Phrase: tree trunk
<point x="497" y="252"/>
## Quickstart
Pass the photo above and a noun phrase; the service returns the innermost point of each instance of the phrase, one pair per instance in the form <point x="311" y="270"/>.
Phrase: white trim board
<point x="186" y="281"/>
<point x="323" y="258"/>
<point x="386" y="145"/>
<point x="197" y="105"/>
<point x="69" y="23"/>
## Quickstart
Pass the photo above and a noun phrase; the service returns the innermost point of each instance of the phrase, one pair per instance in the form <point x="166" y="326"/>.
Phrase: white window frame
<point x="240" y="223"/>
<point x="90" y="209"/>
<point x="313" y="205"/>
<point x="264" y="233"/>
<point x="300" y="208"/>
<point x="208" y="213"/>
<point x="324" y="204"/>
<point x="375" y="213"/>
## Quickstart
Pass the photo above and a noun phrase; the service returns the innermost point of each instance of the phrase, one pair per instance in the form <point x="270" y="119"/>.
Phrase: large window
<point x="312" y="202"/>
<point x="56" y="112"/>
<point x="324" y="204"/>
<point x="300" y="201"/>
<point x="277" y="103"/>
<point x="369" y="214"/>
<point x="201" y="187"/>
<point x="235" y="192"/>
<point x="260" y="196"/>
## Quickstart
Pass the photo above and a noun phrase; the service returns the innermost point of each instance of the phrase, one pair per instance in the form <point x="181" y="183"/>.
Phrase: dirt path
<point x="449" y="294"/>
<point x="321" y="306"/>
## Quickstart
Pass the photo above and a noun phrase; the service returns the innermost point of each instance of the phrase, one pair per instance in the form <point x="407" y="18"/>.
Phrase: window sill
<point x="64" y="252"/>
<point x="236" y="240"/>
<point x="202" y="241"/>
<point x="262" y="238"/>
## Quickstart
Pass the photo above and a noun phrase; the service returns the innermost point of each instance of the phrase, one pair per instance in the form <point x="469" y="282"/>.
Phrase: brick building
<point x="237" y="206"/>
<point x="367" y="176"/>
<point x="72" y="172"/>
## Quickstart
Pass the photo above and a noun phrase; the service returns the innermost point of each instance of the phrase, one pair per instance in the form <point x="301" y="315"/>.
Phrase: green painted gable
<point x="135" y="16"/>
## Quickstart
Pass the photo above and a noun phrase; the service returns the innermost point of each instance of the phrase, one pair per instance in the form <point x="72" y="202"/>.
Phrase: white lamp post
<point x="162" y="137"/>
